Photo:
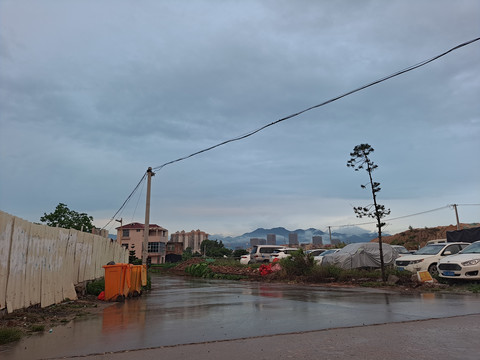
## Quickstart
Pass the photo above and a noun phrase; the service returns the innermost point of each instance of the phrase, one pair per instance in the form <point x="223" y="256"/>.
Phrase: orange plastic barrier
<point x="117" y="281"/>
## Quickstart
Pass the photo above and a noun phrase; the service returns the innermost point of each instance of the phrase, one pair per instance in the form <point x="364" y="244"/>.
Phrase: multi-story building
<point x="257" y="241"/>
<point x="271" y="239"/>
<point x="131" y="237"/>
<point x="192" y="239"/>
<point x="317" y="240"/>
<point x="293" y="239"/>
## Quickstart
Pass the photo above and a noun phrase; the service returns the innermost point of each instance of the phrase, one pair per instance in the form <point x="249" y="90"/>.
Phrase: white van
<point x="261" y="253"/>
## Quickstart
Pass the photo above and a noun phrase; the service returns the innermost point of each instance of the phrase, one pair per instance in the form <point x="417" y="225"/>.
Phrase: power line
<point x="126" y="201"/>
<point x="248" y="134"/>
<point x="402" y="217"/>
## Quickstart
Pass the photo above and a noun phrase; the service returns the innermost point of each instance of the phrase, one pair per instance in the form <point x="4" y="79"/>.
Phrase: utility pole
<point x="456" y="215"/>
<point x="121" y="230"/>
<point x="146" y="230"/>
<point x="330" y="233"/>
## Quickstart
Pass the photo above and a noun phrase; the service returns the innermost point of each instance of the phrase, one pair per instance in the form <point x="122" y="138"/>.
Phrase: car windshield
<point x="327" y="252"/>
<point x="430" y="249"/>
<point x="401" y="250"/>
<point x="472" y="249"/>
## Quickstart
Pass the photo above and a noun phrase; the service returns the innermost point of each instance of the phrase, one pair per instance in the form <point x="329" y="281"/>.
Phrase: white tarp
<point x="361" y="255"/>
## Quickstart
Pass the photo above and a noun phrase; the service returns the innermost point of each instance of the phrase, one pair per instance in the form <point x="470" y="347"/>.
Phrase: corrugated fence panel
<point x="49" y="249"/>
<point x="18" y="263"/>
<point x="90" y="262"/>
<point x="6" y="228"/>
<point x="81" y="252"/>
<point x="41" y="264"/>
<point x="34" y="265"/>
<point x="70" y="276"/>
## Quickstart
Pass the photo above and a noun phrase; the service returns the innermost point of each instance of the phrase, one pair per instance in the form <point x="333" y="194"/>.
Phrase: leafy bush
<point x="96" y="287"/>
<point x="298" y="264"/>
<point x="199" y="270"/>
<point x="8" y="335"/>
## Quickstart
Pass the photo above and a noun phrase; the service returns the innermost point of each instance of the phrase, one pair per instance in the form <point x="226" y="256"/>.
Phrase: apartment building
<point x="192" y="239"/>
<point x="131" y="237"/>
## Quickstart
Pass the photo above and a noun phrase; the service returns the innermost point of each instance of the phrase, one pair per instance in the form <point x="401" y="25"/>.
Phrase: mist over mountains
<point x="349" y="235"/>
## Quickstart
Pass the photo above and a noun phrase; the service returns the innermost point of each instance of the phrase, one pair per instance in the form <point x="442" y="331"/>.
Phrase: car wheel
<point x="432" y="269"/>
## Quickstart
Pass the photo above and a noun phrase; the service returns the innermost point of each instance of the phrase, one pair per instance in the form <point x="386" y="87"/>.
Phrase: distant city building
<point x="192" y="239"/>
<point x="271" y="239"/>
<point x="257" y="241"/>
<point x="317" y="240"/>
<point x="293" y="239"/>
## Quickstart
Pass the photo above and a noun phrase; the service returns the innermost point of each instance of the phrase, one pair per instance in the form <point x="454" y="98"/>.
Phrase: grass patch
<point x="96" y="287"/>
<point x="8" y="335"/>
<point x="37" y="328"/>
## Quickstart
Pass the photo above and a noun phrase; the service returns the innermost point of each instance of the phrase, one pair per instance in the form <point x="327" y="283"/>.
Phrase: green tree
<point x="239" y="252"/>
<point x="132" y="257"/>
<point x="214" y="248"/>
<point x="359" y="159"/>
<point x="69" y="219"/>
<point x="187" y="254"/>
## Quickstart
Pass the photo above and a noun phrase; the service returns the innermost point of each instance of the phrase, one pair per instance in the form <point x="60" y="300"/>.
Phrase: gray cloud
<point x="93" y="93"/>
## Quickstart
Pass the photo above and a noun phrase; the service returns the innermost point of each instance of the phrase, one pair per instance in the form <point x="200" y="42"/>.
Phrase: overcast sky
<point x="92" y="93"/>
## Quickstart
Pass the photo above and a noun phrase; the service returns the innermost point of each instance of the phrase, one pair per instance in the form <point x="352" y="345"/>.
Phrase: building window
<point x="171" y="247"/>
<point x="126" y="233"/>
<point x="154" y="247"/>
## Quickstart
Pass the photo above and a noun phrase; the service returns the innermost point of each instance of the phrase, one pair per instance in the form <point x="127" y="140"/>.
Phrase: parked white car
<point x="315" y="252"/>
<point x="401" y="250"/>
<point x="318" y="259"/>
<point x="428" y="257"/>
<point x="261" y="253"/>
<point x="245" y="259"/>
<point x="282" y="253"/>
<point x="464" y="265"/>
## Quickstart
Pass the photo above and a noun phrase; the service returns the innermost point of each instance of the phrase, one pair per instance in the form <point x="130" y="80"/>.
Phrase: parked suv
<point x="427" y="257"/>
<point x="262" y="253"/>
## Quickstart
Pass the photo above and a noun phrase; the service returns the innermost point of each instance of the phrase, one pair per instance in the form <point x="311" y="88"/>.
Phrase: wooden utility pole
<point x="119" y="240"/>
<point x="146" y="230"/>
<point x="456" y="215"/>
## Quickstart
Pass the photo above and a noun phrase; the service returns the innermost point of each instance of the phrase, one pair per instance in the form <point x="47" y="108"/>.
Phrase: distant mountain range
<point x="352" y="235"/>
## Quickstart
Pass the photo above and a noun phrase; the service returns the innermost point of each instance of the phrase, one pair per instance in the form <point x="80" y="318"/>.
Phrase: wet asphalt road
<point x="185" y="311"/>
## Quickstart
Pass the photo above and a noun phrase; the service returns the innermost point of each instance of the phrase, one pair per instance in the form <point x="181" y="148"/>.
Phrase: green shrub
<point x="96" y="287"/>
<point x="8" y="335"/>
<point x="37" y="328"/>
<point x="475" y="288"/>
<point x="298" y="264"/>
<point x="199" y="270"/>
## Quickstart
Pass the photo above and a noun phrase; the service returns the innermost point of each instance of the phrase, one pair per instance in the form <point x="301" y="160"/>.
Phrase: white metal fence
<point x="41" y="264"/>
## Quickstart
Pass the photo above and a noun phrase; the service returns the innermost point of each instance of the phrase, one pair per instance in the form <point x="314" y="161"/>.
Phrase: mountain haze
<point x="304" y="236"/>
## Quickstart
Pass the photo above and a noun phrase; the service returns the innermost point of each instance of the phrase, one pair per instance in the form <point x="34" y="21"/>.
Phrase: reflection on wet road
<point x="184" y="310"/>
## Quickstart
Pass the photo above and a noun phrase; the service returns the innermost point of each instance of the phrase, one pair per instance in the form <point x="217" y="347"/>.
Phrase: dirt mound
<point x="414" y="239"/>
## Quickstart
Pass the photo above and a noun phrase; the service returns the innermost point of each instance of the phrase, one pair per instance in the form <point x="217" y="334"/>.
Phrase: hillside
<point x="351" y="235"/>
<point x="414" y="239"/>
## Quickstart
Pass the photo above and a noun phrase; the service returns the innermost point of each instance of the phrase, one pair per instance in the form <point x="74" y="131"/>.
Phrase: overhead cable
<point x="410" y="68"/>
<point x="126" y="201"/>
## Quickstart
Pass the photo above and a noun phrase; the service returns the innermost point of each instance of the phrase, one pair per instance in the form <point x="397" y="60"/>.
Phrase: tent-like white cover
<point x="360" y="255"/>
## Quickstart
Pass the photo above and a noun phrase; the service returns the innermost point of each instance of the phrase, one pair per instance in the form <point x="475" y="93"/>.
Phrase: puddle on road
<point x="184" y="310"/>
